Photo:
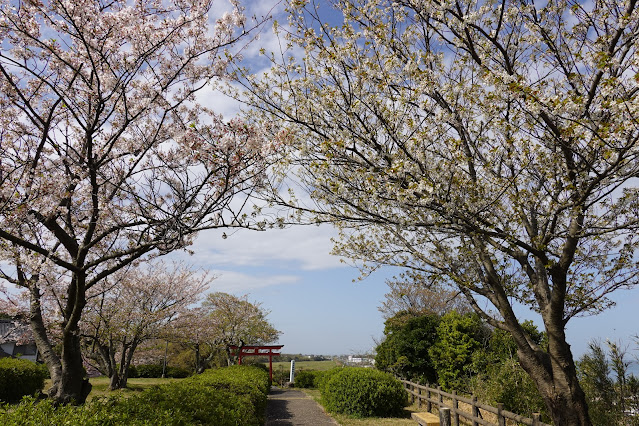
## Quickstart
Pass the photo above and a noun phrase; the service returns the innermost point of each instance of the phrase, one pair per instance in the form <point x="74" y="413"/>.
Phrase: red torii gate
<point x="264" y="350"/>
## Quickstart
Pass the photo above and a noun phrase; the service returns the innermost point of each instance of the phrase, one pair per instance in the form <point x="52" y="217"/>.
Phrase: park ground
<point x="134" y="385"/>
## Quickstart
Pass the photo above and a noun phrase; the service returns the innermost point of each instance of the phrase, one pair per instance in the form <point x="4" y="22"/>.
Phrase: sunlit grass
<point x="101" y="386"/>
<point x="306" y="365"/>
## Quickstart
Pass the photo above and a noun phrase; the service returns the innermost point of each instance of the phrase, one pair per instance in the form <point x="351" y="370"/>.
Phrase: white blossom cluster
<point x="491" y="145"/>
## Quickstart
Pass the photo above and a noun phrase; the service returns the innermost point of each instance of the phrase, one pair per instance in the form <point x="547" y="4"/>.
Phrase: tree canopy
<point x="223" y="320"/>
<point x="490" y="145"/>
<point x="405" y="348"/>
<point x="132" y="306"/>
<point x="105" y="155"/>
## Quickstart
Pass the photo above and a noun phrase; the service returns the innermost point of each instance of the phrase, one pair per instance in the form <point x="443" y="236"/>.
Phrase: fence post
<point x="475" y="411"/>
<point x="441" y="397"/>
<point x="455" y="409"/>
<point x="419" y="397"/>
<point x="501" y="420"/>
<point x="536" y="419"/>
<point x="412" y="395"/>
<point x="429" y="405"/>
<point x="444" y="416"/>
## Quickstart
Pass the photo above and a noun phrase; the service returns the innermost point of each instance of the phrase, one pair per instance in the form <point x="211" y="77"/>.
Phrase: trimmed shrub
<point x="19" y="377"/>
<point x="133" y="372"/>
<point x="307" y="378"/>
<point x="258" y="365"/>
<point x="364" y="392"/>
<point x="281" y="376"/>
<point x="229" y="396"/>
<point x="177" y="372"/>
<point x="324" y="377"/>
<point x="148" y="371"/>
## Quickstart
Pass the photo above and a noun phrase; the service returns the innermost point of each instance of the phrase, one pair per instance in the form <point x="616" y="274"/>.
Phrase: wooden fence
<point x="475" y="413"/>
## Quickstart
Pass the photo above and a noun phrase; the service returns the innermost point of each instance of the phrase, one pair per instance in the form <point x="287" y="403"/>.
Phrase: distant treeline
<point x="291" y="357"/>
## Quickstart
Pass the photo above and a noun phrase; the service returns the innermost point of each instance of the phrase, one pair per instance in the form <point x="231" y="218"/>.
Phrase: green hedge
<point x="364" y="392"/>
<point x="325" y="376"/>
<point x="229" y="396"/>
<point x="147" y="371"/>
<point x="19" y="377"/>
<point x="307" y="378"/>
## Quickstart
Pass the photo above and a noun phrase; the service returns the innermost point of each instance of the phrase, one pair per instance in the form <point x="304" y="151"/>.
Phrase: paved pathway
<point x="293" y="407"/>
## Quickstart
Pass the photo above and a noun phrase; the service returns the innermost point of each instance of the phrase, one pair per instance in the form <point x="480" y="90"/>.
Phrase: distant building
<point x="360" y="360"/>
<point x="16" y="340"/>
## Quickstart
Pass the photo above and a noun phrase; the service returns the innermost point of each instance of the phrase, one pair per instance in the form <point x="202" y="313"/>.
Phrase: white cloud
<point x="218" y="102"/>
<point x="299" y="247"/>
<point x="237" y="282"/>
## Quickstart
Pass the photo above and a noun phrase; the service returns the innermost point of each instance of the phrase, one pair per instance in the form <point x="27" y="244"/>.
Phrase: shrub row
<point x="19" y="377"/>
<point x="359" y="392"/>
<point x="307" y="378"/>
<point x="230" y="396"/>
<point x="363" y="392"/>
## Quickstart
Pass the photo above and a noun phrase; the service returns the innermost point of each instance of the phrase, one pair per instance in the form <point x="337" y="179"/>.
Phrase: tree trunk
<point x="43" y="344"/>
<point x="125" y="364"/>
<point x="106" y="356"/>
<point x="71" y="386"/>
<point x="199" y="365"/>
<point x="229" y="358"/>
<point x="114" y="380"/>
<point x="553" y="371"/>
<point x="555" y="375"/>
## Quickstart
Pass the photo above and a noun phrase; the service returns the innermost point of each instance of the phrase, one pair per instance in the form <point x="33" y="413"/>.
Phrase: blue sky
<point x="320" y="310"/>
<point x="311" y="294"/>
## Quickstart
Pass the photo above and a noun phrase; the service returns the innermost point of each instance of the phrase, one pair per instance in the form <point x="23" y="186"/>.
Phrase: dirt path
<point x="293" y="407"/>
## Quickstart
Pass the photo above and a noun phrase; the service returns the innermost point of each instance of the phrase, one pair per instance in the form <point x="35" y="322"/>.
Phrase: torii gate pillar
<point x="264" y="350"/>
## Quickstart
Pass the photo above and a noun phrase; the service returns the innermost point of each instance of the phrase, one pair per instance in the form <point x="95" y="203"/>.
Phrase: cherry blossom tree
<point x="224" y="320"/>
<point x="132" y="306"/>
<point x="12" y="305"/>
<point x="105" y="155"/>
<point x="417" y="296"/>
<point x="490" y="144"/>
<point x="195" y="331"/>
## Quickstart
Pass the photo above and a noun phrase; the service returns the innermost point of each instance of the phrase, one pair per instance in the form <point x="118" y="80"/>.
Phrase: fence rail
<point x="478" y="410"/>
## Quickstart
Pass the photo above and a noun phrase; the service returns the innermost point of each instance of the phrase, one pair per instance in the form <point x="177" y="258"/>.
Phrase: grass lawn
<point x="344" y="420"/>
<point x="101" y="386"/>
<point x="305" y="365"/>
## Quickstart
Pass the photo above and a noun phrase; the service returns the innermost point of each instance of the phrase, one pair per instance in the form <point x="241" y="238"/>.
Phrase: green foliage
<point x="281" y="375"/>
<point x="321" y="381"/>
<point x="230" y="396"/>
<point x="502" y="346"/>
<point x="633" y="393"/>
<point x="508" y="383"/>
<point x="19" y="377"/>
<point x="133" y="372"/>
<point x="364" y="392"/>
<point x="178" y="372"/>
<point x="461" y="352"/>
<point x="148" y="371"/>
<point x="307" y="378"/>
<point x="499" y="378"/>
<point x="459" y="336"/>
<point x="405" y="349"/>
<point x="593" y="370"/>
